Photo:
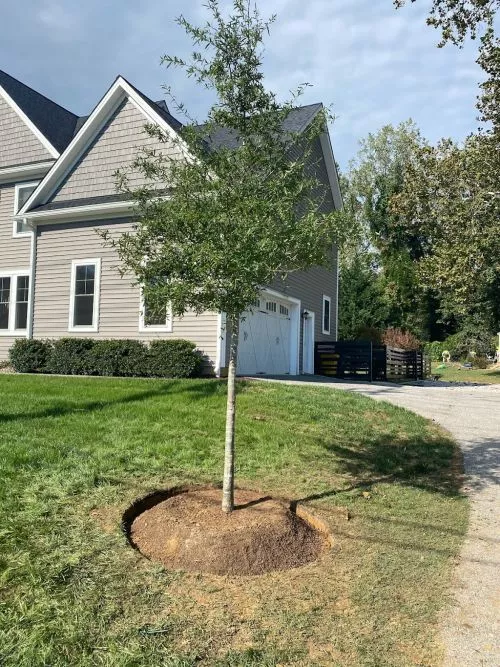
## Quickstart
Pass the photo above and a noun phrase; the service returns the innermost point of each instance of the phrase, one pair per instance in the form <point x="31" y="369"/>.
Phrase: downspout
<point x="31" y="301"/>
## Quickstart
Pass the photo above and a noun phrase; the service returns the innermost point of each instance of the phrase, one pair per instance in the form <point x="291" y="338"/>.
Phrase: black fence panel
<point x="362" y="360"/>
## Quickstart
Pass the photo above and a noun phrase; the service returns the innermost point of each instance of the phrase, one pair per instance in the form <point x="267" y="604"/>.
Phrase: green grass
<point x="455" y="373"/>
<point x="74" y="452"/>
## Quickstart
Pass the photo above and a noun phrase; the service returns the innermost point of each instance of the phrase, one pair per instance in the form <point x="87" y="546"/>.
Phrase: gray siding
<point x="114" y="148"/>
<point x="57" y="247"/>
<point x="14" y="252"/>
<point x="18" y="145"/>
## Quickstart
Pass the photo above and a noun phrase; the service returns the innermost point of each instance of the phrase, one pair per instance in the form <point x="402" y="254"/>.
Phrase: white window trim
<point x="155" y="328"/>
<point x="19" y="186"/>
<point x="14" y="275"/>
<point x="96" y="261"/>
<point x="323" y="330"/>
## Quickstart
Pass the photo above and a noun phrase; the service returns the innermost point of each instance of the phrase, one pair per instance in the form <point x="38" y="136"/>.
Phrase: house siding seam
<point x="57" y="246"/>
<point x="114" y="148"/>
<point x="18" y="144"/>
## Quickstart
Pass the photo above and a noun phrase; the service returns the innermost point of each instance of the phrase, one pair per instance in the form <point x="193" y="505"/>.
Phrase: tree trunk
<point x="228" y="483"/>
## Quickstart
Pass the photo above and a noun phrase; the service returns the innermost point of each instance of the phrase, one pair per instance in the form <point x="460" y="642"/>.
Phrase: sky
<point x="373" y="64"/>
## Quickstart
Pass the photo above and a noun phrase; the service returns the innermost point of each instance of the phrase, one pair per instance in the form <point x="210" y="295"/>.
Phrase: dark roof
<point x="54" y="122"/>
<point x="160" y="108"/>
<point x="297" y="120"/>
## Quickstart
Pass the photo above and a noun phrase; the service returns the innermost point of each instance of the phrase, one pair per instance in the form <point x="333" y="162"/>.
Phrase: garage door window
<point x="327" y="303"/>
<point x="271" y="306"/>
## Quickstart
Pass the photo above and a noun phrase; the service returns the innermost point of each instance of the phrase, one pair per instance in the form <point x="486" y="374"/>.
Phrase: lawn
<point x="455" y="373"/>
<point x="74" y="452"/>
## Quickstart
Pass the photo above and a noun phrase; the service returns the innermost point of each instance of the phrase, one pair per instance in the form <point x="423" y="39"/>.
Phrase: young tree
<point x="221" y="223"/>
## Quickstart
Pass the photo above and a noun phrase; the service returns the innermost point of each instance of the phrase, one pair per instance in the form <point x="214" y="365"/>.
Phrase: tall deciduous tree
<point x="218" y="225"/>
<point x="375" y="176"/>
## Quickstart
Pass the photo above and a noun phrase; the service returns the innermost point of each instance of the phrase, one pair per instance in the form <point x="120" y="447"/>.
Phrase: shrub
<point x="435" y="350"/>
<point x="125" y="358"/>
<point x="30" y="356"/>
<point x="369" y="333"/>
<point x="469" y="339"/>
<point x="405" y="340"/>
<point x="70" y="356"/>
<point x="480" y="362"/>
<point x="174" y="359"/>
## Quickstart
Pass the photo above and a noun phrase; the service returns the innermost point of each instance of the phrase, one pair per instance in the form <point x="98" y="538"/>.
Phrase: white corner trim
<point x="25" y="172"/>
<point x="32" y="274"/>
<point x="18" y="187"/>
<point x="117" y="93"/>
<point x="220" y="360"/>
<point x="323" y="330"/>
<point x="155" y="328"/>
<point x="41" y="137"/>
<point x="331" y="169"/>
<point x="96" y="261"/>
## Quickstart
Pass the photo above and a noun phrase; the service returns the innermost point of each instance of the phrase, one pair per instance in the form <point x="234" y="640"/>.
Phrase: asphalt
<point x="471" y="627"/>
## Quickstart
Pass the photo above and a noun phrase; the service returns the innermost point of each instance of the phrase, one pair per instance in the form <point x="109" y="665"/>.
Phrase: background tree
<point x="235" y="218"/>
<point x="362" y="306"/>
<point x="456" y="193"/>
<point x="376" y="175"/>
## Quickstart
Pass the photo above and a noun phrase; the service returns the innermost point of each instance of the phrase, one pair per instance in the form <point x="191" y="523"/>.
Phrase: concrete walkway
<point x="471" y="630"/>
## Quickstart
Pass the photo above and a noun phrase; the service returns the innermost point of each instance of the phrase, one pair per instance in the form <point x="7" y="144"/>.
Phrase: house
<point x="57" y="187"/>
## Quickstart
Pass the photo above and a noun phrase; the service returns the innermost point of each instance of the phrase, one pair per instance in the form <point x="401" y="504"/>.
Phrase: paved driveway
<point x="472" y="414"/>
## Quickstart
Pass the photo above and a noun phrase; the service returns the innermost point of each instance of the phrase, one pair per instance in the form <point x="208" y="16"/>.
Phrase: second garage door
<point x="265" y="335"/>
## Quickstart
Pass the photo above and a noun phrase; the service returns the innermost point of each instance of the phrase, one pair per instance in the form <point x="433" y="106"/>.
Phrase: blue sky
<point x="374" y="64"/>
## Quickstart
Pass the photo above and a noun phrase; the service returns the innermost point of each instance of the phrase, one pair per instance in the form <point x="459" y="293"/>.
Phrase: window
<point x="327" y="305"/>
<point x="84" y="297"/>
<point x="4" y="302"/>
<point x="22" y="193"/>
<point x="22" y="298"/>
<point x="283" y="310"/>
<point x="14" y="299"/>
<point x="271" y="306"/>
<point x="151" y="320"/>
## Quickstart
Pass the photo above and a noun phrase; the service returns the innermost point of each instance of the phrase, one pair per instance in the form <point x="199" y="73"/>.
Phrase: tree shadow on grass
<point x="198" y="390"/>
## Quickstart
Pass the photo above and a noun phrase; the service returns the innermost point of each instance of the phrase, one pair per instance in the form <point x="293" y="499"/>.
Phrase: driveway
<point x="471" y="631"/>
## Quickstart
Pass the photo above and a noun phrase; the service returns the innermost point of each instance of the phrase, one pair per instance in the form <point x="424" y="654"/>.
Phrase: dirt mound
<point x="189" y="531"/>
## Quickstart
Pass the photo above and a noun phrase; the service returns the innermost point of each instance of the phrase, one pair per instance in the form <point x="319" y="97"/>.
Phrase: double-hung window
<point x="153" y="319"/>
<point x="327" y="314"/>
<point x="14" y="299"/>
<point x="23" y="192"/>
<point x="84" y="295"/>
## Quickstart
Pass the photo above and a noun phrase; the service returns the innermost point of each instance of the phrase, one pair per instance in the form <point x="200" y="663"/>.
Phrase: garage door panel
<point x="265" y="337"/>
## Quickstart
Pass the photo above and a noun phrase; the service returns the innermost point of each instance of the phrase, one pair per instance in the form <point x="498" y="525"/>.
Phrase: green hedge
<point x="174" y="359"/>
<point x="30" y="356"/>
<point x="124" y="358"/>
<point x="70" y="356"/>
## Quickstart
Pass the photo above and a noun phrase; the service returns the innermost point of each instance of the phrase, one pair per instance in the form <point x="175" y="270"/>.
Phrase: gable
<point x="18" y="144"/>
<point x="114" y="148"/>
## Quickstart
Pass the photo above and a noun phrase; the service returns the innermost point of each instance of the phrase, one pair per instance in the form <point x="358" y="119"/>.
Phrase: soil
<point x="188" y="531"/>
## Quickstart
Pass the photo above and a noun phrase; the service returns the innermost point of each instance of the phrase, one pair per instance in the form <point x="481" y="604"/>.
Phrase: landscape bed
<point x="76" y="452"/>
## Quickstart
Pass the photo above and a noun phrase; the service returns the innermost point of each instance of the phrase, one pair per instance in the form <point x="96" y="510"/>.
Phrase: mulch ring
<point x="185" y="529"/>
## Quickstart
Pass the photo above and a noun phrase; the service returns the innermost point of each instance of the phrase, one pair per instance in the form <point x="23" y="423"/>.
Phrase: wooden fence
<point x="362" y="360"/>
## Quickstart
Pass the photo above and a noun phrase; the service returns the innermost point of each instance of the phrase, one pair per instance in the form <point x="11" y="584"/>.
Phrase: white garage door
<point x="265" y="334"/>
